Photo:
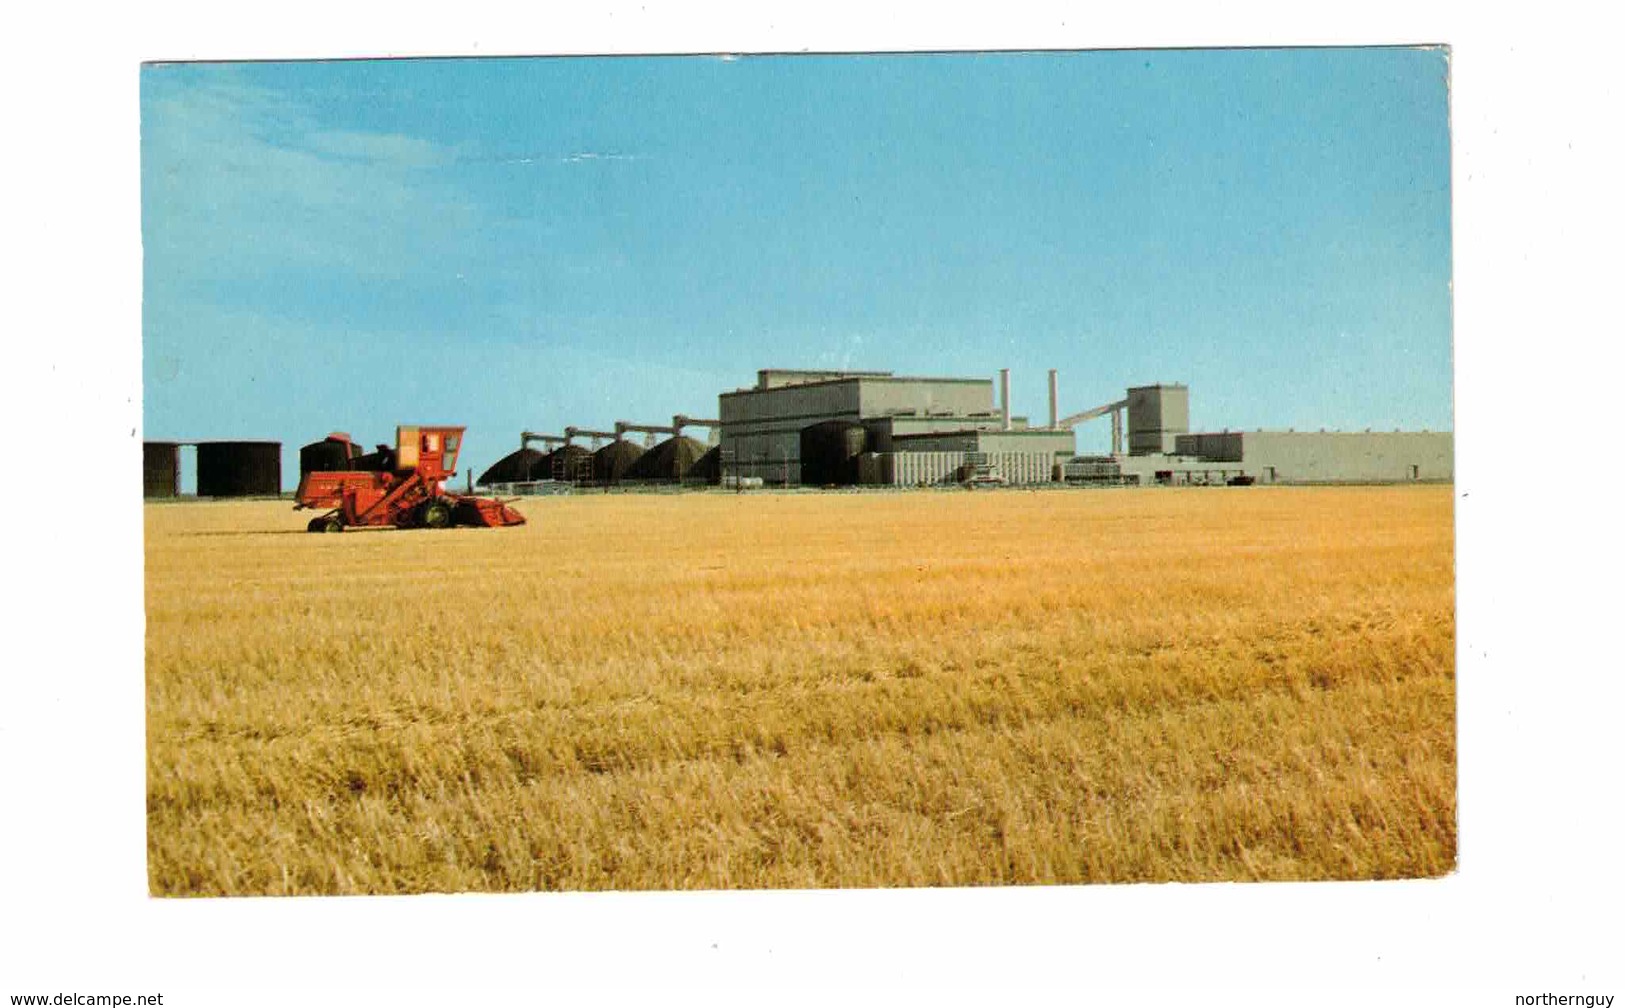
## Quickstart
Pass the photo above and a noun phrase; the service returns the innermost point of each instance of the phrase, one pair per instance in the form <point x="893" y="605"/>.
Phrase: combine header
<point x="396" y="487"/>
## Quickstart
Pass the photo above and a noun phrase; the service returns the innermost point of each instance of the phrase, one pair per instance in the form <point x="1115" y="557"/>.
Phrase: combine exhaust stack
<point x="399" y="487"/>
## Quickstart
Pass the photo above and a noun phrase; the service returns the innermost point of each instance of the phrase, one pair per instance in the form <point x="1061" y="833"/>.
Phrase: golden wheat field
<point x="805" y="690"/>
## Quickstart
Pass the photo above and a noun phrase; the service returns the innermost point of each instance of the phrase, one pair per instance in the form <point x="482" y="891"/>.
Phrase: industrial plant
<point x="837" y="428"/>
<point x="876" y="428"/>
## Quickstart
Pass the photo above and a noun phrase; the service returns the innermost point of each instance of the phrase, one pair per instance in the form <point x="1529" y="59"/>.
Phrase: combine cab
<point x="396" y="487"/>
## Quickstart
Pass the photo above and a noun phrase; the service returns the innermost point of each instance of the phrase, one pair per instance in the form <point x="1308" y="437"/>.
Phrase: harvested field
<point x="805" y="690"/>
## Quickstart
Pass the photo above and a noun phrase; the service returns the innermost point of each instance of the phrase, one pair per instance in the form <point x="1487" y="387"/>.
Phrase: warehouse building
<point x="1301" y="457"/>
<point x="1162" y="449"/>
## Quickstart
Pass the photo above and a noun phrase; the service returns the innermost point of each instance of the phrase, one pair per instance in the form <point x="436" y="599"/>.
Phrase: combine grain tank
<point x="333" y="453"/>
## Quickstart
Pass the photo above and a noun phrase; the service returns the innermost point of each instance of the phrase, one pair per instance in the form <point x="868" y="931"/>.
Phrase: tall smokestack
<point x="1054" y="401"/>
<point x="1004" y="396"/>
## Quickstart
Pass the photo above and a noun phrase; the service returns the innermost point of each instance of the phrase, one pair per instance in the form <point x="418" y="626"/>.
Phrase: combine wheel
<point x="332" y="523"/>
<point x="436" y="514"/>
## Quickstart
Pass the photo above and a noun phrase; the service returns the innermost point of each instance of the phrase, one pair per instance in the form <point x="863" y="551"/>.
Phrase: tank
<point x="872" y="469"/>
<point x="670" y="460"/>
<point x="239" y="468"/>
<point x="610" y="463"/>
<point x="522" y="466"/>
<point x="160" y="468"/>
<point x="829" y="453"/>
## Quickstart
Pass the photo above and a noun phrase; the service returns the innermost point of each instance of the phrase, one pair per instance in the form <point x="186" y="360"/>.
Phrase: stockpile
<point x="610" y="463"/>
<point x="671" y="459"/>
<point x="569" y="462"/>
<point x="708" y="467"/>
<point x="522" y="466"/>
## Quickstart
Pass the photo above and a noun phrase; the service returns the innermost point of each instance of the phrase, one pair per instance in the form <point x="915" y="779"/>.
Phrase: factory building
<point x="849" y="427"/>
<point x="1157" y="415"/>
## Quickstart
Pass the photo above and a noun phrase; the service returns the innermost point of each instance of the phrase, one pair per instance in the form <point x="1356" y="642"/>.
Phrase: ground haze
<point x="805" y="690"/>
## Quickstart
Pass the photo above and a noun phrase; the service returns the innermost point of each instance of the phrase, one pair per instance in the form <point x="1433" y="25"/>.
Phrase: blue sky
<point x="530" y="243"/>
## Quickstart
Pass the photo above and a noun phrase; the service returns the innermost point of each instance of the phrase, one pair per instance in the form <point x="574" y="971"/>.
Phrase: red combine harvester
<point x="396" y="487"/>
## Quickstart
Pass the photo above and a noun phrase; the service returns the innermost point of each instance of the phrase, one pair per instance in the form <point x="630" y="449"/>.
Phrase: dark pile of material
<point x="610" y="463"/>
<point x="671" y="459"/>
<point x="708" y="467"/>
<point x="522" y="466"/>
<point x="569" y="462"/>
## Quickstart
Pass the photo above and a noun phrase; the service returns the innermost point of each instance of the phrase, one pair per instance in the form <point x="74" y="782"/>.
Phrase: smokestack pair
<point x="1004" y="398"/>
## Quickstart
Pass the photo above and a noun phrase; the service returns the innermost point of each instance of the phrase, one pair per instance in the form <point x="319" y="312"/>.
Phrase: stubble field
<point x="805" y="690"/>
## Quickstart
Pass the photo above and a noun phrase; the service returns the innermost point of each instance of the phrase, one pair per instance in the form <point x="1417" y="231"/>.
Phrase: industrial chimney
<point x="1004" y="396"/>
<point x="1054" y="401"/>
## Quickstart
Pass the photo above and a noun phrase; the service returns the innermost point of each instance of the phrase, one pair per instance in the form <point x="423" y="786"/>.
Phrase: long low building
<point x="1301" y="457"/>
